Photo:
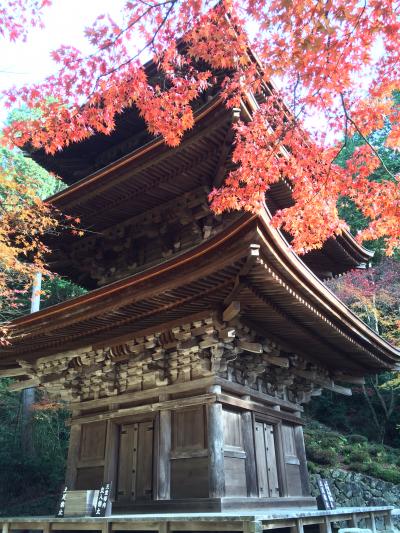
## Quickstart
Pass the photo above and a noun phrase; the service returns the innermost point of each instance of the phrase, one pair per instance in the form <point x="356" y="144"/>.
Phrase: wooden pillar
<point x="255" y="526"/>
<point x="372" y="524"/>
<point x="111" y="456"/>
<point x="249" y="447"/>
<point x="354" y="520"/>
<point x="216" y="474"/>
<point x="73" y="456"/>
<point x="388" y="520"/>
<point x="301" y="454"/>
<point x="326" y="526"/>
<point x="164" y="462"/>
<point x="284" y="492"/>
<point x="298" y="528"/>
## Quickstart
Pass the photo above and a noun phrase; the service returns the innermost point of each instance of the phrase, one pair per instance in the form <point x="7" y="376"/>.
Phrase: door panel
<point x="292" y="462"/>
<point x="135" y="465"/>
<point x="267" y="471"/>
<point x="144" y="476"/>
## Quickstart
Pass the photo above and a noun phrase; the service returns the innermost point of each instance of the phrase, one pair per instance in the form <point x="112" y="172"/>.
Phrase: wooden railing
<point x="245" y="522"/>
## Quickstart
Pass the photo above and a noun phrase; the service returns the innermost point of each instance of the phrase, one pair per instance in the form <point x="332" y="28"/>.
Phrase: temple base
<point x="216" y="505"/>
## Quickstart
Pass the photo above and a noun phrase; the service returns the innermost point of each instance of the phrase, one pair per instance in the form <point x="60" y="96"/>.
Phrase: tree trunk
<point x="28" y="395"/>
<point x="28" y="399"/>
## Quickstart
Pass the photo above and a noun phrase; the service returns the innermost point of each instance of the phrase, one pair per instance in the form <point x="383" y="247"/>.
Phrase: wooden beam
<point x="231" y="311"/>
<point x="179" y="403"/>
<point x="25" y="384"/>
<point x="277" y="360"/>
<point x="346" y="378"/>
<point x="258" y="408"/>
<point x="265" y="398"/>
<point x="326" y="384"/>
<point x="13" y="372"/>
<point x="253" y="347"/>
<point x="120" y="399"/>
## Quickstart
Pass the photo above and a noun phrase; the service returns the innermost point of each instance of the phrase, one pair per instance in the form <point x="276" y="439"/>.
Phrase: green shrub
<point x="346" y="450"/>
<point x="359" y="455"/>
<point x="376" y="450"/>
<point x="392" y="475"/>
<point x="312" y="468"/>
<point x="322" y="456"/>
<point x="357" y="439"/>
<point x="359" y="467"/>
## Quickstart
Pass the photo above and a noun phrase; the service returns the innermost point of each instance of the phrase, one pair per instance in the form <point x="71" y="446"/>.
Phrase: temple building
<point x="187" y="362"/>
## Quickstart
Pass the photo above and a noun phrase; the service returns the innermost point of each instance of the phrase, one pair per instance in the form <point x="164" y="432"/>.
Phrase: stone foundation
<point x="352" y="489"/>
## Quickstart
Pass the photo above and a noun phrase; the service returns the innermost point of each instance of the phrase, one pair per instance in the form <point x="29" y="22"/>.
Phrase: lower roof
<point x="249" y="262"/>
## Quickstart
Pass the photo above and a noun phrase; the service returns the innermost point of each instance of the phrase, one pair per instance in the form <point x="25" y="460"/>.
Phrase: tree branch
<point x="349" y="119"/>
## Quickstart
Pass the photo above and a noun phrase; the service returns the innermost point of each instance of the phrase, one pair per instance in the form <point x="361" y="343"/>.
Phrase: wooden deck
<point x="255" y="522"/>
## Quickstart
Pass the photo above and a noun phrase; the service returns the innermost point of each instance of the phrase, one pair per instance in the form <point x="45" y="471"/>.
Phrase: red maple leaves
<point x="17" y="16"/>
<point x="338" y="60"/>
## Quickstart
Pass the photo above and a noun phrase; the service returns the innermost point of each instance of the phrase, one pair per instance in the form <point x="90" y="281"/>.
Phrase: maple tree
<point x="318" y="50"/>
<point x="25" y="220"/>
<point x="374" y="295"/>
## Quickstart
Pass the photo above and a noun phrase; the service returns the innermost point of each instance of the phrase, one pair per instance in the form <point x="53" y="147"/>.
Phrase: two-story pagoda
<point x="187" y="363"/>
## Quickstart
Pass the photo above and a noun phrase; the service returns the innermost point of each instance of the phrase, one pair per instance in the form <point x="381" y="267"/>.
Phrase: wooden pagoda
<point x="187" y="363"/>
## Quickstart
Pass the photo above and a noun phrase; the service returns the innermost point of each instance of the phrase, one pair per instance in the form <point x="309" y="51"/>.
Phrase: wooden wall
<point x="189" y="454"/>
<point x="91" y="455"/>
<point x="203" y="451"/>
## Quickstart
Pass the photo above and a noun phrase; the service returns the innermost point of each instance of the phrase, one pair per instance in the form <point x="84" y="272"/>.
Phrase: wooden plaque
<point x="61" y="504"/>
<point x="325" y="500"/>
<point x="103" y="504"/>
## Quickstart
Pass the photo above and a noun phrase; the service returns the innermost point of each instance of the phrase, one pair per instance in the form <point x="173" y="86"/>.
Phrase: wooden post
<point x="372" y="523"/>
<point x="249" y="448"/>
<point x="46" y="527"/>
<point x="106" y="527"/>
<point x="298" y="528"/>
<point x="73" y="455"/>
<point x="111" y="456"/>
<point x="388" y="521"/>
<point x="164" y="463"/>
<point x="255" y="526"/>
<point x="326" y="526"/>
<point x="216" y="474"/>
<point x="281" y="462"/>
<point x="354" y="520"/>
<point x="301" y="454"/>
<point x="163" y="527"/>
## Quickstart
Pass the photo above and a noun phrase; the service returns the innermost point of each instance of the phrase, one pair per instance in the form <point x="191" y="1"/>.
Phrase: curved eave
<point x="99" y="314"/>
<point x="356" y="249"/>
<point x="325" y="300"/>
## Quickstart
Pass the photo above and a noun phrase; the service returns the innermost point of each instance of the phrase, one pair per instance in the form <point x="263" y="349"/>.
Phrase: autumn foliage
<point x="337" y="63"/>
<point x="374" y="294"/>
<point x="18" y="16"/>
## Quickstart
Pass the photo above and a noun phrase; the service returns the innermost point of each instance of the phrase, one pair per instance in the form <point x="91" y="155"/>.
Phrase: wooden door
<point x="292" y="461"/>
<point x="135" y="464"/>
<point x="267" y="470"/>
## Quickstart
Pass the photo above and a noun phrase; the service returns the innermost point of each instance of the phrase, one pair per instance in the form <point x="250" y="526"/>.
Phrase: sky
<point x="65" y="20"/>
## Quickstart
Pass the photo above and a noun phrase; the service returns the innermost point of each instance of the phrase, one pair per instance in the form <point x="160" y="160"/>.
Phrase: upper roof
<point x="130" y="172"/>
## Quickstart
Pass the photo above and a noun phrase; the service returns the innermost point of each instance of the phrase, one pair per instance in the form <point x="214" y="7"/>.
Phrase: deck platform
<point x="254" y="522"/>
